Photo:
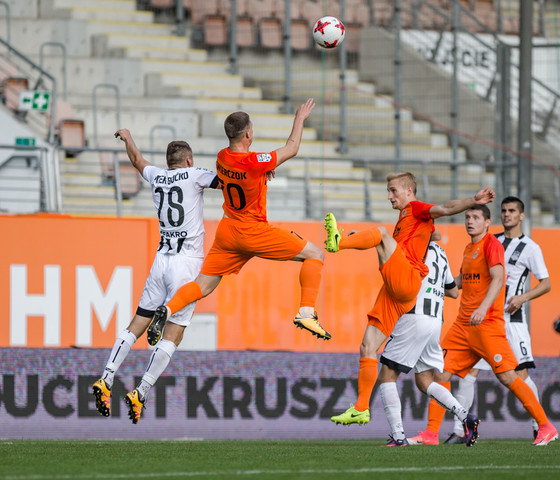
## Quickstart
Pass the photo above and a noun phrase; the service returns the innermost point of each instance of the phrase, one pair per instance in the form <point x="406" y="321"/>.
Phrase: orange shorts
<point x="401" y="284"/>
<point x="237" y="242"/>
<point x="464" y="345"/>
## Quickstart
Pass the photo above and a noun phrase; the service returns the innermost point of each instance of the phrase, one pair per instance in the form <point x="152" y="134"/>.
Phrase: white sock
<point x="529" y="381"/>
<point x="122" y="346"/>
<point x="465" y="396"/>
<point x="443" y="396"/>
<point x="158" y="363"/>
<point x="392" y="406"/>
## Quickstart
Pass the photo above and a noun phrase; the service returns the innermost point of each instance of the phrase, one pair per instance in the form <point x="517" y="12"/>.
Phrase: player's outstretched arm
<point x="294" y="140"/>
<point x="136" y="158"/>
<point x="482" y="197"/>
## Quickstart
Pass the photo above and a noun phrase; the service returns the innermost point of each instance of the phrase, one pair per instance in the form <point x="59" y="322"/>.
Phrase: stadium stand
<point x="164" y="80"/>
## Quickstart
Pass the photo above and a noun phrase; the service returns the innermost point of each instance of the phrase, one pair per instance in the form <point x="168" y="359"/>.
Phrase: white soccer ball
<point x="328" y="32"/>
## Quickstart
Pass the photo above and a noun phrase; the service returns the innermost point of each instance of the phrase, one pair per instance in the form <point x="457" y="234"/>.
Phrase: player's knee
<point x="384" y="232"/>
<point x="367" y="350"/>
<point x="312" y="251"/>
<point x="506" y="378"/>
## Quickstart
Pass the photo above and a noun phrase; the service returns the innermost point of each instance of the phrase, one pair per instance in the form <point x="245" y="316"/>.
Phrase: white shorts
<point x="167" y="275"/>
<point x="520" y="341"/>
<point x="414" y="342"/>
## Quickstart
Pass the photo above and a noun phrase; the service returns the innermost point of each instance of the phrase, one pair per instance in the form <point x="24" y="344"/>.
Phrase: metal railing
<point x="29" y="180"/>
<point x="38" y="74"/>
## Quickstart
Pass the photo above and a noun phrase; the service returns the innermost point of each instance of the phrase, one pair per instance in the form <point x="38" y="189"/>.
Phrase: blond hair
<point x="406" y="179"/>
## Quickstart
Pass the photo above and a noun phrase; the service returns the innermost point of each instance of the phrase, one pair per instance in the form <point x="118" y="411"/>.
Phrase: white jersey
<point x="179" y="202"/>
<point x="430" y="297"/>
<point x="414" y="342"/>
<point x="522" y="255"/>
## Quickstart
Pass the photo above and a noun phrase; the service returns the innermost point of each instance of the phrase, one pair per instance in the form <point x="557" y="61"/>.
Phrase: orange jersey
<point x="243" y="176"/>
<point x="413" y="231"/>
<point x="475" y="274"/>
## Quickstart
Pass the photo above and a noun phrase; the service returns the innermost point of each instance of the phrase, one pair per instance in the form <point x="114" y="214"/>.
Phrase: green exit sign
<point x="25" y="142"/>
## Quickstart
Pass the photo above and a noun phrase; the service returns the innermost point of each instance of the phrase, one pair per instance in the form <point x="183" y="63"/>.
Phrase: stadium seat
<point x="10" y="88"/>
<point x="312" y="11"/>
<point x="270" y="33"/>
<point x="260" y="9"/>
<point x="216" y="26"/>
<point x="215" y="30"/>
<point x="245" y="31"/>
<point x="357" y="13"/>
<point x="69" y="130"/>
<point x="71" y="134"/>
<point x="352" y="37"/>
<point x="242" y="7"/>
<point x="202" y="8"/>
<point x="130" y="180"/>
<point x="382" y="13"/>
<point x="161" y="4"/>
<point x="301" y="38"/>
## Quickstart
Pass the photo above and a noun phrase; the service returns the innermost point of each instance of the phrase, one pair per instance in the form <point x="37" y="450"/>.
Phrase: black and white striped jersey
<point x="522" y="256"/>
<point x="431" y="294"/>
<point x="178" y="198"/>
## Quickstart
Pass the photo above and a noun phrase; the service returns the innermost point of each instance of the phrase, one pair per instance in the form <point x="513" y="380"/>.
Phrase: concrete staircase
<point x="165" y="85"/>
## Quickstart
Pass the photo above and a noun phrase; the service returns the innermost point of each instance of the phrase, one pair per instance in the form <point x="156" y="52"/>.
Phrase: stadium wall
<point x="46" y="393"/>
<point x="69" y="284"/>
<point x="76" y="281"/>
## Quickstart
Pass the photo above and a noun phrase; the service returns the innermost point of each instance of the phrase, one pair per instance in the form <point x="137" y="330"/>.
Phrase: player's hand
<point x="484" y="196"/>
<point x="514" y="304"/>
<point x="270" y="175"/>
<point x="305" y="109"/>
<point x="477" y="316"/>
<point x="123" y="134"/>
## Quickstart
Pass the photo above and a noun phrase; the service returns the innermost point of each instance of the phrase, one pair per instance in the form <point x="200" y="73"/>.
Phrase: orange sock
<point x="367" y="376"/>
<point x="188" y="293"/>
<point x="361" y="240"/>
<point x="436" y="412"/>
<point x="527" y="397"/>
<point x="309" y="279"/>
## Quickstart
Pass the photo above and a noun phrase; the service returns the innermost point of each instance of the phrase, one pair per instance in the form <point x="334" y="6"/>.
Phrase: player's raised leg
<point x="310" y="280"/>
<point x="362" y="240"/>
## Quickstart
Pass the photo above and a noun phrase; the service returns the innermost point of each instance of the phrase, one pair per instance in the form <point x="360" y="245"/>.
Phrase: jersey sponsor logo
<point x="471" y="276"/>
<point x="264" y="157"/>
<point x="435" y="292"/>
<point x="231" y="173"/>
<point x="475" y="255"/>
<point x="172" y="179"/>
<point x="173" y="234"/>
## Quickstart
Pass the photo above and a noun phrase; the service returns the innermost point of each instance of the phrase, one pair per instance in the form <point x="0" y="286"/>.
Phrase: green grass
<point x="309" y="460"/>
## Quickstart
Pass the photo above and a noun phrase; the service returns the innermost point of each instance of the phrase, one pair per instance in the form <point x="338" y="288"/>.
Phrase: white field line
<point x="233" y="473"/>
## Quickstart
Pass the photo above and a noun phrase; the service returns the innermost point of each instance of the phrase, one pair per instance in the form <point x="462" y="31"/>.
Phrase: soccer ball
<point x="328" y="32"/>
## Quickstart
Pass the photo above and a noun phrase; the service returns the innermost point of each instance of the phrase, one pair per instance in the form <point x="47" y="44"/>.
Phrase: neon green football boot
<point x="333" y="234"/>
<point x="351" y="416"/>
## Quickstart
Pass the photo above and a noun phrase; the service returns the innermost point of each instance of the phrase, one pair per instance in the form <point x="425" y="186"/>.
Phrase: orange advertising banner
<point x="76" y="282"/>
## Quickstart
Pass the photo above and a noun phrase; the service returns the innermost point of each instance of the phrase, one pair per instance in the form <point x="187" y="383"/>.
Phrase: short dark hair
<point x="512" y="199"/>
<point x="482" y="208"/>
<point x="177" y="152"/>
<point x="236" y="124"/>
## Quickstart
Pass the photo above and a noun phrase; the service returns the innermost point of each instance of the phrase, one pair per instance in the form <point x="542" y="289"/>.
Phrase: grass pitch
<point x="274" y="460"/>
